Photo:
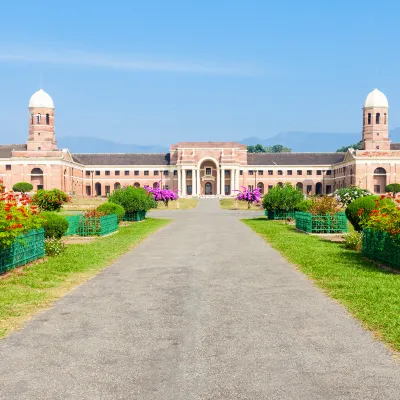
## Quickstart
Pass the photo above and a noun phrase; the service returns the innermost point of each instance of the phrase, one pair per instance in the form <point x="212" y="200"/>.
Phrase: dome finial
<point x="41" y="99"/>
<point x="376" y="99"/>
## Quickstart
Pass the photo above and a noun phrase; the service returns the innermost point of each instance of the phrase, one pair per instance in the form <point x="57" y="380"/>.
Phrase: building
<point x="200" y="168"/>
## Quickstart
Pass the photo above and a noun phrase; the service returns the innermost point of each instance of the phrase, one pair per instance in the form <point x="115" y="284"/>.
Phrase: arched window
<point x="47" y="119"/>
<point x="38" y="118"/>
<point x="37" y="171"/>
<point x="369" y="119"/>
<point x="136" y="184"/>
<point x="380" y="171"/>
<point x="378" y="118"/>
<point x="364" y="119"/>
<point x="32" y="119"/>
<point x="384" y="119"/>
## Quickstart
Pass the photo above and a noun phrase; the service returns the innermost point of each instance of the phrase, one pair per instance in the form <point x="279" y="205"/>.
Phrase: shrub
<point x="249" y="196"/>
<point x="112" y="208"/>
<point x="346" y="195"/>
<point x="132" y="199"/>
<point x="94" y="213"/>
<point x="53" y="246"/>
<point x="55" y="225"/>
<point x="304" y="205"/>
<point x="353" y="241"/>
<point x="22" y="187"/>
<point x="359" y="210"/>
<point x="393" y="188"/>
<point x="282" y="198"/>
<point x="50" y="200"/>
<point x="324" y="205"/>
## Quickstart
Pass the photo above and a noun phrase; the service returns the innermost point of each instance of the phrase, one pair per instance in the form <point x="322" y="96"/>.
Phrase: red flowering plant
<point x="17" y="216"/>
<point x="50" y="200"/>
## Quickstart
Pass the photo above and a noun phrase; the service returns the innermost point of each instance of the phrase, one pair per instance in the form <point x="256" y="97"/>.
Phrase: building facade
<point x="200" y="168"/>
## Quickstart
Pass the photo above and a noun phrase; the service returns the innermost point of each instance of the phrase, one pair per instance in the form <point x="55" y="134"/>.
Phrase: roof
<point x="395" y="146"/>
<point x="121" y="158"/>
<point x="294" y="158"/>
<point x="41" y="99"/>
<point x="376" y="99"/>
<point x="6" y="149"/>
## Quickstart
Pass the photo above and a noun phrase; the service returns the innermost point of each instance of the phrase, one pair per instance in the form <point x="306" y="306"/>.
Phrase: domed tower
<point x="41" y="123"/>
<point x="375" y="122"/>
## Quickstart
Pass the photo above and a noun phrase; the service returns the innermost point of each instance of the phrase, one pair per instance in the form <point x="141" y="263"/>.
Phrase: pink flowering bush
<point x="164" y="195"/>
<point x="249" y="196"/>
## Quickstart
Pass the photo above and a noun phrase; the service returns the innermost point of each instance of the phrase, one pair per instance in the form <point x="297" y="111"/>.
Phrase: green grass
<point x="181" y="204"/>
<point x="230" y="204"/>
<point x="25" y="292"/>
<point x="368" y="292"/>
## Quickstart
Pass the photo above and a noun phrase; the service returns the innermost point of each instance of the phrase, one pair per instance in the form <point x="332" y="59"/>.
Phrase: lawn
<point x="25" y="292"/>
<point x="83" y="203"/>
<point x="368" y="292"/>
<point x="231" y="204"/>
<point x="181" y="204"/>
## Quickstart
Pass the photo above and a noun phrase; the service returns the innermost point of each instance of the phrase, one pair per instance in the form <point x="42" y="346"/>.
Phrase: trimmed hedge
<point x="56" y="225"/>
<point x="112" y="208"/>
<point x="22" y="187"/>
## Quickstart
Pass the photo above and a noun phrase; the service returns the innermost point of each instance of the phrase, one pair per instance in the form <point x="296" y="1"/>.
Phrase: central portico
<point x="208" y="168"/>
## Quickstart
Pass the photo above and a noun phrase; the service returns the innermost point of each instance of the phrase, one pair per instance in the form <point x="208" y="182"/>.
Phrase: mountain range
<point x="297" y="141"/>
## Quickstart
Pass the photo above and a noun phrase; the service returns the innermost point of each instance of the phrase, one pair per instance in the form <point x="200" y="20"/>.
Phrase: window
<point x="377" y="188"/>
<point x="309" y="172"/>
<point x="251" y="172"/>
<point x="208" y="171"/>
<point x="270" y="172"/>
<point x="166" y="187"/>
<point x="260" y="172"/>
<point x="250" y="187"/>
<point x="189" y="172"/>
<point x="369" y="119"/>
<point x="227" y="172"/>
<point x="384" y="119"/>
<point x="175" y="172"/>
<point x="39" y="148"/>
<point x="299" y="172"/>
<point x="97" y="173"/>
<point x="328" y="189"/>
<point x="227" y="189"/>
<point x="289" y="172"/>
<point x="146" y="173"/>
<point x="280" y="172"/>
<point x="377" y="147"/>
<point x="87" y="173"/>
<point x="107" y="173"/>
<point x="38" y="118"/>
<point x="309" y="188"/>
<point x="126" y="173"/>
<point x="107" y="189"/>
<point x="155" y="173"/>
<point x="329" y="172"/>
<point x="189" y="189"/>
<point x="319" y="172"/>
<point x="241" y="172"/>
<point x="47" y="119"/>
<point x="8" y="167"/>
<point x="165" y="173"/>
<point x="378" y="118"/>
<point x="270" y="187"/>
<point x="136" y="173"/>
<point x="117" y="173"/>
<point x="32" y="119"/>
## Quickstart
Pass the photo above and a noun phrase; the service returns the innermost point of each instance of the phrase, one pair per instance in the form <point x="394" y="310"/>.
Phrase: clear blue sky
<point x="156" y="72"/>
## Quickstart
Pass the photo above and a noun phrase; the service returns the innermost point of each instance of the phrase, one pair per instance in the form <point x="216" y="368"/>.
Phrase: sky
<point x="158" y="72"/>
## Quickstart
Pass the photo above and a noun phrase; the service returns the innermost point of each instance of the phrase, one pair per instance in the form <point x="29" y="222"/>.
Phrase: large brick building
<point x="200" y="168"/>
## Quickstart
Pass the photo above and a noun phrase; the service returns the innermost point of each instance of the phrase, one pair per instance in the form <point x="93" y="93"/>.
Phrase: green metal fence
<point x="73" y="224"/>
<point x="26" y="248"/>
<point x="381" y="246"/>
<point x="135" y="216"/>
<point x="272" y="215"/>
<point x="98" y="226"/>
<point x="336" y="223"/>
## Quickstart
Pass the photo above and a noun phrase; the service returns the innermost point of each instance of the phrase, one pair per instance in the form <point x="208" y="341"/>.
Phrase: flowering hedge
<point x="346" y="195"/>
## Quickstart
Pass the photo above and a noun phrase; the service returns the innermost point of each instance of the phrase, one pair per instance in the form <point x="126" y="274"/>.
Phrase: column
<point x="194" y="182"/>
<point x="232" y="181"/>
<point x="223" y="181"/>
<point x="198" y="181"/>
<point x="183" y="182"/>
<point x="237" y="179"/>
<point x="179" y="181"/>
<point x="218" y="188"/>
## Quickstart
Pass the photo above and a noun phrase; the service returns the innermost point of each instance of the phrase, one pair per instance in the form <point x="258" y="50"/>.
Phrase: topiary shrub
<point x="50" y="200"/>
<point x="132" y="199"/>
<point x="112" y="208"/>
<point x="282" y="198"/>
<point x="393" y="188"/>
<point x="55" y="225"/>
<point x="359" y="210"/>
<point x="22" y="187"/>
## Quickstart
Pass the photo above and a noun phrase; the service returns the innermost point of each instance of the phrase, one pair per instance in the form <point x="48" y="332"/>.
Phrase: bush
<point x="132" y="199"/>
<point x="112" y="208"/>
<point x="50" y="200"/>
<point x="393" y="188"/>
<point x="22" y="187"/>
<point x="346" y="195"/>
<point x="353" y="241"/>
<point x="359" y="210"/>
<point x="324" y="205"/>
<point x="55" y="225"/>
<point x="304" y="206"/>
<point x="53" y="246"/>
<point x="282" y="198"/>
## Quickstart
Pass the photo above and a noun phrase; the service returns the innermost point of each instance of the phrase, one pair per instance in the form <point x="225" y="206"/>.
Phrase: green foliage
<point x="132" y="199"/>
<point x="22" y="187"/>
<point x="112" y="208"/>
<point x="353" y="241"/>
<point x="55" y="225"/>
<point x="50" y="200"/>
<point x="277" y="148"/>
<point x="324" y="205"/>
<point x="304" y="206"/>
<point x="282" y="198"/>
<point x="346" y="195"/>
<point x="53" y="246"/>
<point x="355" y="146"/>
<point x="393" y="188"/>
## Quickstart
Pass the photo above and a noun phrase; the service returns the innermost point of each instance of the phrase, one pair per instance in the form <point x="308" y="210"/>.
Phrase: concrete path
<point x="203" y="310"/>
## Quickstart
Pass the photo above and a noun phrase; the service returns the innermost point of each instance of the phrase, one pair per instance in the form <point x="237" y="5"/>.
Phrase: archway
<point x="260" y="186"/>
<point x="117" y="185"/>
<point x="299" y="186"/>
<point x="136" y="184"/>
<point x="97" y="188"/>
<point x="155" y="185"/>
<point x="209" y="178"/>
<point x="318" y="188"/>
<point x="37" y="178"/>
<point x="379" y="180"/>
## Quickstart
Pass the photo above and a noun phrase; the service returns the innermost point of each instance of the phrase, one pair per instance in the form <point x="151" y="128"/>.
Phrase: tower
<point x="375" y="134"/>
<point x="41" y="123"/>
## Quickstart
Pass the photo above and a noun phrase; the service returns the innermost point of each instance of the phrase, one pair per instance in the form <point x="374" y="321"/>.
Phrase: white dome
<point x="376" y="99"/>
<point x="41" y="99"/>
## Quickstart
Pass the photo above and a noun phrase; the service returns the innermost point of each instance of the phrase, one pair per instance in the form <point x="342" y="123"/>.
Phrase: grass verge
<point x="229" y="204"/>
<point x="25" y="292"/>
<point x="369" y="293"/>
<point x="181" y="204"/>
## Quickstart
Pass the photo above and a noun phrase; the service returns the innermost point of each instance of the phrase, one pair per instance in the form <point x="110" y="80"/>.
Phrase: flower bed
<point x="134" y="216"/>
<point x="98" y="226"/>
<point x="330" y="223"/>
<point x="274" y="215"/>
<point x="381" y="246"/>
<point x="73" y="224"/>
<point x="25" y="248"/>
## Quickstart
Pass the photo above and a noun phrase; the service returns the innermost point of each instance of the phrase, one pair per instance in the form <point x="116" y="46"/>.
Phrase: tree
<point x="393" y="188"/>
<point x="249" y="196"/>
<point x="343" y="149"/>
<point x="277" y="148"/>
<point x="22" y="187"/>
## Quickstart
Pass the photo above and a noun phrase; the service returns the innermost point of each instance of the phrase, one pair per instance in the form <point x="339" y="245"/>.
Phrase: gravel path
<point x="204" y="309"/>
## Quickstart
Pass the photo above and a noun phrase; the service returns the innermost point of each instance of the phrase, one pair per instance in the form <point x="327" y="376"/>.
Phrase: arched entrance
<point x="155" y="185"/>
<point x="208" y="188"/>
<point x="318" y="189"/>
<point x="117" y="185"/>
<point x="37" y="178"/>
<point x="97" y="188"/>
<point x="379" y="180"/>
<point x="209" y="178"/>
<point x="136" y="184"/>
<point x="299" y="186"/>
<point x="260" y="186"/>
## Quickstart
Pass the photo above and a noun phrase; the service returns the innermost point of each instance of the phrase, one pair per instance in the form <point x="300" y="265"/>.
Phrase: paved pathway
<point x="203" y="310"/>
